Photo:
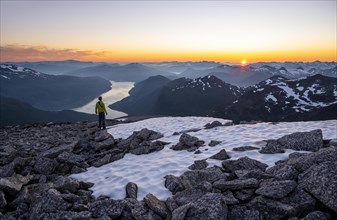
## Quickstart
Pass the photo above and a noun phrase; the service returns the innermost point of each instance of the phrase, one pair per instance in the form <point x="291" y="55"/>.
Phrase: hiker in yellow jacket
<point x="100" y="108"/>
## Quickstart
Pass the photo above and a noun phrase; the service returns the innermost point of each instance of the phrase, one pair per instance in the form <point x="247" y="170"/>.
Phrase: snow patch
<point x="148" y="171"/>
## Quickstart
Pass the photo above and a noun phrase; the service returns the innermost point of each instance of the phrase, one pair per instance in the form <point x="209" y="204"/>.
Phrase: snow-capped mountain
<point x="179" y="97"/>
<point x="49" y="92"/>
<point x="280" y="99"/>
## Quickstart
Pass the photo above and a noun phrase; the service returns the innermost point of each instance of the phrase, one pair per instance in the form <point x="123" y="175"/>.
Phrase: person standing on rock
<point x="100" y="109"/>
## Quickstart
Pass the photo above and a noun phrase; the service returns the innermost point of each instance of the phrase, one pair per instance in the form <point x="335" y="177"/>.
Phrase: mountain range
<point x="133" y="72"/>
<point x="13" y="111"/>
<point x="275" y="99"/>
<point x="49" y="92"/>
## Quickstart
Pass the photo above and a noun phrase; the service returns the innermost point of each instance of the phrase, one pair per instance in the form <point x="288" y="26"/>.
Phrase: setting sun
<point x="243" y="62"/>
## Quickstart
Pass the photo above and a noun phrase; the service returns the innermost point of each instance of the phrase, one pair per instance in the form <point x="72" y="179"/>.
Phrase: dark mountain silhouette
<point x="133" y="72"/>
<point x="178" y="97"/>
<point x="13" y="112"/>
<point x="49" y="92"/>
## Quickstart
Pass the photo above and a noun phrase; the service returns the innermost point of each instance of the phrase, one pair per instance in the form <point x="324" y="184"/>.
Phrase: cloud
<point x="16" y="53"/>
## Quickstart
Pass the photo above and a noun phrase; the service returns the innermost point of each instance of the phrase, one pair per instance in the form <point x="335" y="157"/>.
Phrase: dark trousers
<point x="101" y="120"/>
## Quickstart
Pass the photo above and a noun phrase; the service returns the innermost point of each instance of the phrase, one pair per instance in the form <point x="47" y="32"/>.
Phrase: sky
<point x="151" y="31"/>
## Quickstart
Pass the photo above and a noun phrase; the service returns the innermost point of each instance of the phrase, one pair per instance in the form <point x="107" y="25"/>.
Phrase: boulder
<point x="3" y="201"/>
<point x="12" y="185"/>
<point x="283" y="172"/>
<point x="333" y="143"/>
<point x="131" y="190"/>
<point x="221" y="155"/>
<point x="236" y="184"/>
<point x="243" y="163"/>
<point x="192" y="194"/>
<point x="210" y="175"/>
<point x="321" y="182"/>
<point x="102" y="135"/>
<point x="243" y="212"/>
<point x="174" y="184"/>
<point x="214" y="143"/>
<point x="198" y="165"/>
<point x="147" y="148"/>
<point x="229" y="198"/>
<point x="245" y="148"/>
<point x="213" y="125"/>
<point x="244" y="194"/>
<point x="276" y="189"/>
<point x="272" y="147"/>
<point x="301" y="202"/>
<point x="111" y="208"/>
<point x="317" y="215"/>
<point x="55" y="151"/>
<point x="256" y="174"/>
<point x="187" y="141"/>
<point x="64" y="184"/>
<point x="45" y="165"/>
<point x="156" y="205"/>
<point x="210" y="206"/>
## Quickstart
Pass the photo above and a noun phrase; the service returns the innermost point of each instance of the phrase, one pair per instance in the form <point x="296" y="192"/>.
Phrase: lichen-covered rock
<point x="156" y="205"/>
<point x="244" y="194"/>
<point x="198" y="165"/>
<point x="148" y="147"/>
<point x="272" y="147"/>
<point x="283" y="172"/>
<point x="68" y="215"/>
<point x="221" y="155"/>
<point x="210" y="175"/>
<point x="243" y="212"/>
<point x="229" y="198"/>
<point x="192" y="194"/>
<point x="63" y="184"/>
<point x="317" y="215"/>
<point x="187" y="141"/>
<point x="3" y="201"/>
<point x="55" y="151"/>
<point x="12" y="185"/>
<point x="174" y="184"/>
<point x="214" y="143"/>
<point x="321" y="182"/>
<point x="301" y="202"/>
<point x="243" y="163"/>
<point x="256" y="174"/>
<point x="45" y="166"/>
<point x="108" y="207"/>
<point x="276" y="189"/>
<point x="236" y="184"/>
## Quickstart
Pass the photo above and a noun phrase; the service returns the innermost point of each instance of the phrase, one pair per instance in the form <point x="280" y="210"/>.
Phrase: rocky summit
<point x="37" y="159"/>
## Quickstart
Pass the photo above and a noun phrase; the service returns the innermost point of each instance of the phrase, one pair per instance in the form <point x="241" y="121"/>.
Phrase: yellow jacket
<point x="100" y="107"/>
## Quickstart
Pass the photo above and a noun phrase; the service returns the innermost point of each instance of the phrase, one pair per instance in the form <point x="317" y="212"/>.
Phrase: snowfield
<point x="148" y="170"/>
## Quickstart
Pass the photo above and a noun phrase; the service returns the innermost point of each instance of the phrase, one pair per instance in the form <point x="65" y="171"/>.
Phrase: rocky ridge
<point x="36" y="161"/>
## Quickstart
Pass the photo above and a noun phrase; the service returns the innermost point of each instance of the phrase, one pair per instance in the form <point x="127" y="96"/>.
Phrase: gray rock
<point x="181" y="212"/>
<point x="174" y="184"/>
<point x="317" y="215"/>
<point x="49" y="203"/>
<point x="244" y="194"/>
<point x="187" y="141"/>
<point x="108" y="207"/>
<point x="214" y="143"/>
<point x="271" y="209"/>
<point x="213" y="125"/>
<point x="55" y="151"/>
<point x="272" y="147"/>
<point x="156" y="205"/>
<point x="256" y="174"/>
<point x="321" y="182"/>
<point x="276" y="189"/>
<point x="171" y="204"/>
<point x="305" y="161"/>
<point x="12" y="185"/>
<point x="236" y="184"/>
<point x="192" y="194"/>
<point x="68" y="215"/>
<point x="140" y="211"/>
<point x="307" y="141"/>
<point x="102" y="161"/>
<point x="244" y="148"/>
<point x="198" y="165"/>
<point x="63" y="184"/>
<point x="45" y="166"/>
<point x="300" y="201"/>
<point x="283" y="172"/>
<point x="131" y="190"/>
<point x="104" y="145"/>
<point x="102" y="135"/>
<point x="243" y="212"/>
<point x="148" y="148"/>
<point x="221" y="155"/>
<point x="146" y="134"/>
<point x="229" y="198"/>
<point x="70" y="158"/>
<point x="210" y="175"/>
<point x="3" y="201"/>
<point x="243" y="163"/>
<point x="211" y="206"/>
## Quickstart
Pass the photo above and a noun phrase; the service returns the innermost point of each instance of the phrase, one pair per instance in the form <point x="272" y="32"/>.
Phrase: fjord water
<point x="118" y="91"/>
